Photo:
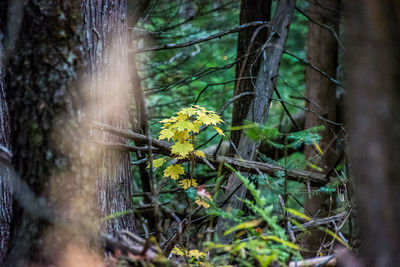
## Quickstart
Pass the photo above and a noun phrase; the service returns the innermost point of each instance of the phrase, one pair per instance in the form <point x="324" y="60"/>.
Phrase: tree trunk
<point x="247" y="66"/>
<point x="322" y="52"/>
<point x="259" y="107"/>
<point x="105" y="31"/>
<point x="140" y="121"/>
<point x="373" y="74"/>
<point x="52" y="188"/>
<point x="5" y="186"/>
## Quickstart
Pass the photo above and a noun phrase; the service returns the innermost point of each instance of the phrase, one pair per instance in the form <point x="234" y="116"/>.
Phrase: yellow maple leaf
<point x="219" y="130"/>
<point x="195" y="253"/>
<point x="181" y="117"/>
<point x="204" y="119"/>
<point x="166" y="134"/>
<point x="182" y="149"/>
<point x="216" y="118"/>
<point x="209" y="118"/>
<point x="179" y="252"/>
<point x="188" y="111"/>
<point x="200" y="108"/>
<point x="200" y="154"/>
<point x="196" y="126"/>
<point x="201" y="202"/>
<point x="186" y="183"/>
<point x="174" y="171"/>
<point x="182" y="125"/>
<point x="181" y="136"/>
<point x="157" y="163"/>
<point x="169" y="120"/>
<point x="166" y="125"/>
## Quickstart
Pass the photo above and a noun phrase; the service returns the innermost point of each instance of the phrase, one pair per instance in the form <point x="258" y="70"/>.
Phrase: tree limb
<point x="200" y="40"/>
<point x="164" y="148"/>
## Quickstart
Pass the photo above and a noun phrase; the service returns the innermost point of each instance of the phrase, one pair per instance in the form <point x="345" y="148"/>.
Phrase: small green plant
<point x="182" y="129"/>
<point x="259" y="237"/>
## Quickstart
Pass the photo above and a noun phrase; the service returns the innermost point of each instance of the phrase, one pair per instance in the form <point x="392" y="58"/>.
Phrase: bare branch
<point x="329" y="28"/>
<point x="201" y="40"/>
<point x="323" y="73"/>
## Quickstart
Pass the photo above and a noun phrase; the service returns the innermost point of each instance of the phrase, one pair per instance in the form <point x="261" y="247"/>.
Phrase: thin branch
<point x="329" y="28"/>
<point x="126" y="148"/>
<point x="323" y="73"/>
<point x="233" y="99"/>
<point x="201" y="40"/>
<point x="286" y="110"/>
<point x="216" y="84"/>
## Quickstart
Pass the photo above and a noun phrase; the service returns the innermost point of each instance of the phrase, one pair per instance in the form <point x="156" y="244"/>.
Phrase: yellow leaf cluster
<point x="188" y="121"/>
<point x="193" y="253"/>
<point x="181" y="129"/>
<point x="179" y="252"/>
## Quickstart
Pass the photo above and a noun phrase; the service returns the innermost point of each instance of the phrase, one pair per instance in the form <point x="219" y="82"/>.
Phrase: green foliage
<point x="268" y="135"/>
<point x="307" y="137"/>
<point x="259" y="238"/>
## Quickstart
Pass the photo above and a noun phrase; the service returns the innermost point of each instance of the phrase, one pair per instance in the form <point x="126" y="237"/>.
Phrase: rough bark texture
<point x="247" y="67"/>
<point x="43" y="104"/>
<point x="259" y="107"/>
<point x="322" y="52"/>
<point x="105" y="26"/>
<point x="373" y="74"/>
<point x="5" y="186"/>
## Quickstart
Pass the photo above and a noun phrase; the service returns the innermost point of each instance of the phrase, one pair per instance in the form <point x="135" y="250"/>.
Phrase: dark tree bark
<point x="140" y="121"/>
<point x="105" y="26"/>
<point x="373" y="75"/>
<point x="259" y="107"/>
<point x="51" y="184"/>
<point x="5" y="186"/>
<point x="249" y="42"/>
<point x="135" y="10"/>
<point x="322" y="52"/>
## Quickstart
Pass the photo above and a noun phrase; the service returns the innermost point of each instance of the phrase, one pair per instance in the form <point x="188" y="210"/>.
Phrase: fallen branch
<point x="164" y="148"/>
<point x="317" y="222"/>
<point x="320" y="261"/>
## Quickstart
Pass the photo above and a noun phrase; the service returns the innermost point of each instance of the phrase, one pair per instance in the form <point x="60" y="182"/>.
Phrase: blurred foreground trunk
<point x="53" y="191"/>
<point x="373" y="74"/>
